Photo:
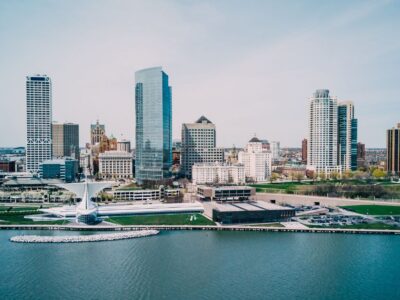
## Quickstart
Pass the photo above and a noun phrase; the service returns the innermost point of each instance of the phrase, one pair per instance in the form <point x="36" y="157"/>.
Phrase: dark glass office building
<point x="153" y="102"/>
<point x="347" y="136"/>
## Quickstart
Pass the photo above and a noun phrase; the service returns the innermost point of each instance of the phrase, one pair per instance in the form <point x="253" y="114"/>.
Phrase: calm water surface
<point x="204" y="265"/>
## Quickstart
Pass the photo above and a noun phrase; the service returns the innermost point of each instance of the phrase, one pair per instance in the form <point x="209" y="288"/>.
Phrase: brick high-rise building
<point x="304" y="151"/>
<point x="361" y="155"/>
<point x="393" y="150"/>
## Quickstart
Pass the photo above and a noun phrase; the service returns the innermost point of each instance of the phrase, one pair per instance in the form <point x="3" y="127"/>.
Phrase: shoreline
<point x="198" y="227"/>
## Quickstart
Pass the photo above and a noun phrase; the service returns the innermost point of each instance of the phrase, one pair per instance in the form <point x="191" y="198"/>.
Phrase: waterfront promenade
<point x="197" y="227"/>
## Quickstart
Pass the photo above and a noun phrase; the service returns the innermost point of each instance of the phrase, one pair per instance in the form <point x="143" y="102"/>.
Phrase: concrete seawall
<point x="192" y="227"/>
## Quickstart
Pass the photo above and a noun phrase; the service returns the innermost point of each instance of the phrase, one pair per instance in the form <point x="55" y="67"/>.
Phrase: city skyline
<point x="248" y="65"/>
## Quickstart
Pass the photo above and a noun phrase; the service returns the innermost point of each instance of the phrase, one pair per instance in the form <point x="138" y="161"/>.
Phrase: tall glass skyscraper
<point x="153" y="125"/>
<point x="39" y="116"/>
<point x="347" y="136"/>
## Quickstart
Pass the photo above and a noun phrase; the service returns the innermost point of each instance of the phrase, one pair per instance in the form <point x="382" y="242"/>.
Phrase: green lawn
<point x="377" y="210"/>
<point x="176" y="219"/>
<point x="380" y="226"/>
<point x="17" y="208"/>
<point x="278" y="186"/>
<point x="18" y="219"/>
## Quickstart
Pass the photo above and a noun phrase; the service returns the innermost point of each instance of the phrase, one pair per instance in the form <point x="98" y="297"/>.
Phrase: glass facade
<point x="65" y="169"/>
<point x="153" y="104"/>
<point x="354" y="138"/>
<point x="347" y="136"/>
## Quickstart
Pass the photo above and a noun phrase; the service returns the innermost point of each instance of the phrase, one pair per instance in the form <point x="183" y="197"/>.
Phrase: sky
<point x="248" y="66"/>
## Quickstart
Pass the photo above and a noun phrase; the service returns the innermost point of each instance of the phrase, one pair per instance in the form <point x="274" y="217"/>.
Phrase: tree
<point x="273" y="177"/>
<point x="347" y="174"/>
<point x="335" y="175"/>
<point x="322" y="175"/>
<point x="378" y="174"/>
<point x="359" y="174"/>
<point x="299" y="176"/>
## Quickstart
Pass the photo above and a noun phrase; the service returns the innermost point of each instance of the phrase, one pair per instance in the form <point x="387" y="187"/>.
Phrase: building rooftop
<point x="34" y="181"/>
<point x="227" y="187"/>
<point x="203" y="119"/>
<point x="58" y="161"/>
<point x="248" y="206"/>
<point x="254" y="140"/>
<point x="115" y="153"/>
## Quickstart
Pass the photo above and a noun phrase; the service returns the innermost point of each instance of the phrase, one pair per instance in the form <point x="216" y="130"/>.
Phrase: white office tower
<point x="275" y="148"/>
<point x="256" y="161"/>
<point x="217" y="173"/>
<point x="199" y="145"/>
<point x="39" y="118"/>
<point x="322" y="145"/>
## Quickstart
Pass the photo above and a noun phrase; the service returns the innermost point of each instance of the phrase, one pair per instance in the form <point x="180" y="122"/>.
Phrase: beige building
<point x="115" y="165"/>
<point x="218" y="173"/>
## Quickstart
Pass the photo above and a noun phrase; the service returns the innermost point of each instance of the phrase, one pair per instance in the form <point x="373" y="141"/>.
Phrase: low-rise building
<point x="115" y="165"/>
<point x="7" y="165"/>
<point x="225" y="193"/>
<point x="218" y="173"/>
<point x="251" y="212"/>
<point x="65" y="169"/>
<point x="145" y="195"/>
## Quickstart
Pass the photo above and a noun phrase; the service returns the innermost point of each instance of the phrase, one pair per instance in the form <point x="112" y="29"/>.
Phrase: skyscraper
<point x="393" y="150"/>
<point x="65" y="140"/>
<point x="153" y="125"/>
<point x="199" y="145"/>
<point x="39" y="117"/>
<point x="304" y="151"/>
<point x="322" y="145"/>
<point x="347" y="136"/>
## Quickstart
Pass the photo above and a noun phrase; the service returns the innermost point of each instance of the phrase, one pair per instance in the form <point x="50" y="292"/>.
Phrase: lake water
<point x="204" y="265"/>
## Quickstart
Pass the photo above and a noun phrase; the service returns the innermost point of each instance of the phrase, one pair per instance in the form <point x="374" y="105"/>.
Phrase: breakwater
<point x="83" y="238"/>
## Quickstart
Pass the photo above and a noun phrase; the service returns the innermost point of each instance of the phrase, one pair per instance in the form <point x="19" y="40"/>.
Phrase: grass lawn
<point x="278" y="186"/>
<point x="377" y="210"/>
<point x="380" y="226"/>
<point x="18" y="219"/>
<point x="177" y="219"/>
<point x="18" y="208"/>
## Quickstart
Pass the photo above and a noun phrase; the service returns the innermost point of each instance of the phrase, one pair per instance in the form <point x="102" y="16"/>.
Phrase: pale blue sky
<point x="249" y="66"/>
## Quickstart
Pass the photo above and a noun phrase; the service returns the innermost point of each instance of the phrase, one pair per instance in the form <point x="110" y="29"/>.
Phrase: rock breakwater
<point x="83" y="238"/>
